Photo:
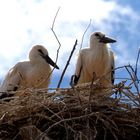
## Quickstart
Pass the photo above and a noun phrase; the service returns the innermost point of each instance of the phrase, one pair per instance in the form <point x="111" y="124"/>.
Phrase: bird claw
<point x="74" y="80"/>
<point x="72" y="84"/>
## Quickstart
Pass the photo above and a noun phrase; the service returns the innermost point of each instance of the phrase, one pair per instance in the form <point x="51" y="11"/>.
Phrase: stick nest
<point x="86" y="112"/>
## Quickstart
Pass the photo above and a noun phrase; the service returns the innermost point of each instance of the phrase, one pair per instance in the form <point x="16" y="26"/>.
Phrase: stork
<point x="95" y="62"/>
<point x="35" y="73"/>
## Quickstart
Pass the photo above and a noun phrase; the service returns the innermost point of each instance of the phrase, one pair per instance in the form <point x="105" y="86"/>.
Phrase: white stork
<point x="95" y="62"/>
<point x="35" y="73"/>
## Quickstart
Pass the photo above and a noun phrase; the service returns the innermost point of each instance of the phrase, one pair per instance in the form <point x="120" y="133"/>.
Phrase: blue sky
<point x="25" y="23"/>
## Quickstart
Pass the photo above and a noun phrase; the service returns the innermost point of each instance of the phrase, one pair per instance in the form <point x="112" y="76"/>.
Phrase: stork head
<point x="39" y="54"/>
<point x="99" y="37"/>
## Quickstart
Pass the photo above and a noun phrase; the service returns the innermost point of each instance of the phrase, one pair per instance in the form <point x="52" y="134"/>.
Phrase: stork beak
<point x="50" y="61"/>
<point x="105" y="39"/>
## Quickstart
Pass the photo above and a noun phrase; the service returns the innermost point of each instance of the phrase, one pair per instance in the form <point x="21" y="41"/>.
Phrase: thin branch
<point x="3" y="116"/>
<point x="130" y="97"/>
<point x="134" y="78"/>
<point x="112" y="70"/>
<point x="55" y="18"/>
<point x="91" y="87"/>
<point x="67" y="120"/>
<point x="121" y="78"/>
<point x="52" y="28"/>
<point x="67" y="64"/>
<point x="137" y="62"/>
<point x="84" y="34"/>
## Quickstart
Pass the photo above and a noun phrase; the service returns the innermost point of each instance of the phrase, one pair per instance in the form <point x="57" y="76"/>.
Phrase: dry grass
<point x="83" y="113"/>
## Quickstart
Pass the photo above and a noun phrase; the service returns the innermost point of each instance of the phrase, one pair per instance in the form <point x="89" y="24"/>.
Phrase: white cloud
<point x="25" y="23"/>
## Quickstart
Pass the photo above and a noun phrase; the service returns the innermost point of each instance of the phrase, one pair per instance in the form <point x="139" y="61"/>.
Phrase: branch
<point x="52" y="28"/>
<point x="137" y="62"/>
<point x="84" y="34"/>
<point x="113" y="70"/>
<point x="67" y="120"/>
<point x="55" y="18"/>
<point x="67" y="64"/>
<point x="134" y="78"/>
<point x="2" y="118"/>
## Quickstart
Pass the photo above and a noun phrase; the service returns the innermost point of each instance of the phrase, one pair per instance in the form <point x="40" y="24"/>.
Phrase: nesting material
<point x="79" y="113"/>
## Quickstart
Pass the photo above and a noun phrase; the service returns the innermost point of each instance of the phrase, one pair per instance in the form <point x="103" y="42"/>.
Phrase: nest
<point x="87" y="112"/>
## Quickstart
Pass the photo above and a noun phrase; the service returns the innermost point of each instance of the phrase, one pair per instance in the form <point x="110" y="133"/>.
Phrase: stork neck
<point x="99" y="50"/>
<point x="38" y="62"/>
<point x="98" y="46"/>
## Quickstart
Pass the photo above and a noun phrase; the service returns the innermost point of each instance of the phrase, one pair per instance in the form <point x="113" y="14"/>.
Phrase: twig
<point x="110" y="124"/>
<point x="128" y="79"/>
<point x="130" y="97"/>
<point x="69" y="119"/>
<point x="91" y="87"/>
<point x="112" y="70"/>
<point x="66" y="120"/>
<point x="1" y="119"/>
<point x="134" y="77"/>
<point x="67" y="64"/>
<point x="55" y="18"/>
<point x="119" y="87"/>
<point x="137" y="62"/>
<point x="52" y="28"/>
<point x="84" y="34"/>
<point x="9" y="98"/>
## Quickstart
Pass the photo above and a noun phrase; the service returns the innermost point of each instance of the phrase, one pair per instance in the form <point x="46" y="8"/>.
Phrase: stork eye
<point x="40" y="51"/>
<point x="96" y="34"/>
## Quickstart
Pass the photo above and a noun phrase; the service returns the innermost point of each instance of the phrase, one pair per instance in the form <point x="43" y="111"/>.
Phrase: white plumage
<point x="34" y="73"/>
<point x="95" y="62"/>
